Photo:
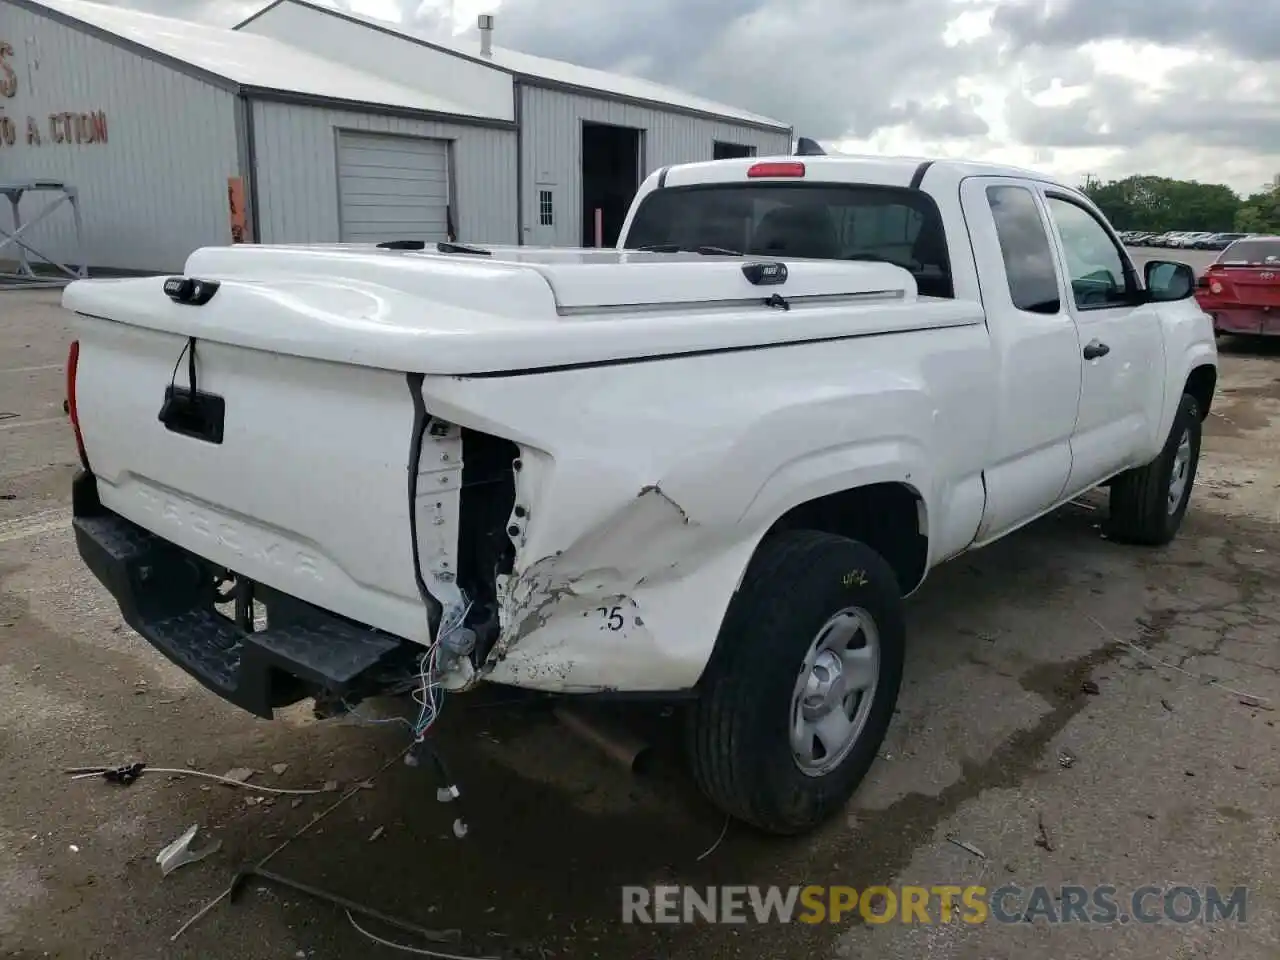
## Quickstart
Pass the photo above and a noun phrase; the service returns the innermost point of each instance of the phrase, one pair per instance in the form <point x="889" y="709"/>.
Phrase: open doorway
<point x="722" y="150"/>
<point x="610" y="178"/>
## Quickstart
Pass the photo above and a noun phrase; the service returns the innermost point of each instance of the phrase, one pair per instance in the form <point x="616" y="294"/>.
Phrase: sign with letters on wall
<point x="68" y="126"/>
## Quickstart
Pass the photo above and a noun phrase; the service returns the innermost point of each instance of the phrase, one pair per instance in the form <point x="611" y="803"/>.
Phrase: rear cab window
<point x="1029" y="263"/>
<point x="828" y="221"/>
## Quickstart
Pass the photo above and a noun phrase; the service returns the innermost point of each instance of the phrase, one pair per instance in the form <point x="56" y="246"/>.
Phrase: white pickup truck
<point x="706" y="466"/>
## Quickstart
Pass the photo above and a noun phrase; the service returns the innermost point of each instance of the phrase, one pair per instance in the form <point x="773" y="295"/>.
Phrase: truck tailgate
<point x="307" y="491"/>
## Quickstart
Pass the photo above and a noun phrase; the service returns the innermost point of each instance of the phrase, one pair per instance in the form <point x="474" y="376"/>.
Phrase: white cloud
<point x="1184" y="88"/>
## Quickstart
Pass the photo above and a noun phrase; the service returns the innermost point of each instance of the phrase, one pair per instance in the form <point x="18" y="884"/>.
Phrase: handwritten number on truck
<point x="612" y="617"/>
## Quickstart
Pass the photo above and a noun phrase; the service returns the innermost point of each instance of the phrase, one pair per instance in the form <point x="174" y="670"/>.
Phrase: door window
<point x="1024" y="244"/>
<point x="1099" y="276"/>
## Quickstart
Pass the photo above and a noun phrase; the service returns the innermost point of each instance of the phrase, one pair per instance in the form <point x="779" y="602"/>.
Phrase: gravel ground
<point x="1172" y="779"/>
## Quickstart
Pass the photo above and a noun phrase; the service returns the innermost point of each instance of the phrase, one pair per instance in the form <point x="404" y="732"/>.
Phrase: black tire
<point x="738" y="730"/>
<point x="1140" y="498"/>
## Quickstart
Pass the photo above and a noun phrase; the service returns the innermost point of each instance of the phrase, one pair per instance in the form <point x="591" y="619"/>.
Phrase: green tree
<point x="1260" y="213"/>
<point x="1160" y="203"/>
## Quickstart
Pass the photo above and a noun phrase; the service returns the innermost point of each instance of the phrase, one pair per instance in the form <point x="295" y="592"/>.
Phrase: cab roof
<point x="851" y="168"/>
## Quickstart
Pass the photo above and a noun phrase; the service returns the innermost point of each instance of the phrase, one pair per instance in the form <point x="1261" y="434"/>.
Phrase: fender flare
<point x="1196" y="355"/>
<point x="837" y="469"/>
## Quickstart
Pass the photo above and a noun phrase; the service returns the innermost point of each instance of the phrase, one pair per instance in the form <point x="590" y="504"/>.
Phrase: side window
<point x="1095" y="265"/>
<point x="1024" y="243"/>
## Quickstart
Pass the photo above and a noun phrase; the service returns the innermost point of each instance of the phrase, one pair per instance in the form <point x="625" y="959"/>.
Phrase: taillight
<point x="783" y="169"/>
<point x="73" y="361"/>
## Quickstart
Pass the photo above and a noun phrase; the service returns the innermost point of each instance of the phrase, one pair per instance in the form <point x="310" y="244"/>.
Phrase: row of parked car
<point x="1185" y="240"/>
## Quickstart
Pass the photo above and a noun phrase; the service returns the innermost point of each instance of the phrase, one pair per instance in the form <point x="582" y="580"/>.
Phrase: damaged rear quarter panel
<point x="647" y="486"/>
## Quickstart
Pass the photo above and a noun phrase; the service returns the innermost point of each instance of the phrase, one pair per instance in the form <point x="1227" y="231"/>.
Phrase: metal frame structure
<point x="25" y="276"/>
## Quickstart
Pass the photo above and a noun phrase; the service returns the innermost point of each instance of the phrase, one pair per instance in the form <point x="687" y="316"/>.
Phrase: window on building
<point x="1099" y="276"/>
<point x="1024" y="243"/>
<point x="546" y="209"/>
<point x="722" y="150"/>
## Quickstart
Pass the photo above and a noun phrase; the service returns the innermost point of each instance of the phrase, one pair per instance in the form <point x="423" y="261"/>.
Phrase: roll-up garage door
<point x="392" y="188"/>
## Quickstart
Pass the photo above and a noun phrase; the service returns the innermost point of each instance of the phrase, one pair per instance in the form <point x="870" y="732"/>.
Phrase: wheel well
<point x="888" y="517"/>
<point x="1200" y="384"/>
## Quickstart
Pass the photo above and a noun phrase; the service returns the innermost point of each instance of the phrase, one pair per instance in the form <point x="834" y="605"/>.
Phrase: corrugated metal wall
<point x="157" y="188"/>
<point x="552" y="145"/>
<point x="297" y="172"/>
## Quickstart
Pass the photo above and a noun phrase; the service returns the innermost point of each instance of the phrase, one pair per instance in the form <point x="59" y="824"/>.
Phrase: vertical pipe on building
<point x="452" y="216"/>
<point x="248" y="156"/>
<point x="518" y="112"/>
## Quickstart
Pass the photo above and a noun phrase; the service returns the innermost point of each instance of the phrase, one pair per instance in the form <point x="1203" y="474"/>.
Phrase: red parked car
<point x="1241" y="289"/>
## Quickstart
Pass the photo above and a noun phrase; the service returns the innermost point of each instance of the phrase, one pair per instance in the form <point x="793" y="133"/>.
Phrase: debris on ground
<point x="330" y="786"/>
<point x="1066" y="759"/>
<point x="239" y="774"/>
<point x="179" y="852"/>
<point x="720" y="839"/>
<point x="1090" y="688"/>
<point x="969" y="847"/>
<point x="1166" y="704"/>
<point x="258" y="867"/>
<point x="279" y="768"/>
<point x="123" y="775"/>
<point x="377" y="833"/>
<point x="1254" y="702"/>
<point x="1042" y="834"/>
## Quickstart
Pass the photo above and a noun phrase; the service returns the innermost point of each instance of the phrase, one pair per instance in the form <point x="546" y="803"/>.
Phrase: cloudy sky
<point x="1182" y="88"/>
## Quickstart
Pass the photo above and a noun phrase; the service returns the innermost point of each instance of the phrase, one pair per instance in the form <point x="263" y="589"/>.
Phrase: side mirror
<point x="1167" y="280"/>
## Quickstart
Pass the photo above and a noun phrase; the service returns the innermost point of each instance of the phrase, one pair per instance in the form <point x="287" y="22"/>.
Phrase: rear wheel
<point x="799" y="695"/>
<point x="1148" y="504"/>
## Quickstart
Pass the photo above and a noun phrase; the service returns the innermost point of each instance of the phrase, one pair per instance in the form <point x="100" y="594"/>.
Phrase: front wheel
<point x="1148" y="503"/>
<point x="799" y="694"/>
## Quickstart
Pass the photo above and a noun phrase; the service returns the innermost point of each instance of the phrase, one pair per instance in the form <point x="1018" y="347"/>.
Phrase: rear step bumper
<point x="167" y="595"/>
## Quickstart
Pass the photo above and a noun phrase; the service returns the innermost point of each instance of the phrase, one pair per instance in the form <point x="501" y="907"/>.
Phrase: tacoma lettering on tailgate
<point x="255" y="545"/>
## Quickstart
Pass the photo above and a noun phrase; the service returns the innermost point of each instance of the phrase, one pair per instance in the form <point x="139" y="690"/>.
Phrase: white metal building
<point x="557" y="106"/>
<point x="337" y="128"/>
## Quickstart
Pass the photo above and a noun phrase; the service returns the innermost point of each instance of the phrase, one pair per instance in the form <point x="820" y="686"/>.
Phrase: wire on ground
<point x="184" y="772"/>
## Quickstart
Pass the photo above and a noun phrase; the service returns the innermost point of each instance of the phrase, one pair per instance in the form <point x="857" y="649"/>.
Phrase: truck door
<point x="1037" y="350"/>
<point x="1121" y="345"/>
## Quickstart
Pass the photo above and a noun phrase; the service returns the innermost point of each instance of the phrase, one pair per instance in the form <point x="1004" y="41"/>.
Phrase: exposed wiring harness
<point x="428" y="692"/>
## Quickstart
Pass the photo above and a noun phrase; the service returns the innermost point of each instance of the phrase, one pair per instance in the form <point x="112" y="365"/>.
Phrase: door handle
<point x="1095" y="349"/>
